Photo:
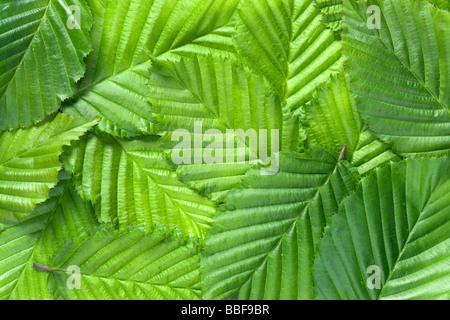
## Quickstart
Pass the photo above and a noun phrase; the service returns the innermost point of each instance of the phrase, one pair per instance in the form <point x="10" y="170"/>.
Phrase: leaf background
<point x="364" y="145"/>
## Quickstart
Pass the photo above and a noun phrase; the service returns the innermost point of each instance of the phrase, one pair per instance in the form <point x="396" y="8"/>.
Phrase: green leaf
<point x="158" y="265"/>
<point x="333" y="121"/>
<point x="399" y="222"/>
<point x="29" y="163"/>
<point x="126" y="35"/>
<point x="443" y="4"/>
<point x="262" y="243"/>
<point x="35" y="239"/>
<point x="400" y="73"/>
<point x="286" y="41"/>
<point x="213" y="180"/>
<point x="219" y="92"/>
<point x="222" y="95"/>
<point x="131" y="183"/>
<point x="332" y="13"/>
<point x="40" y="57"/>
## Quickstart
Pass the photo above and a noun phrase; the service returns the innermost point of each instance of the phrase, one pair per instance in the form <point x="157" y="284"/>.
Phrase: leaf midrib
<point x="135" y="281"/>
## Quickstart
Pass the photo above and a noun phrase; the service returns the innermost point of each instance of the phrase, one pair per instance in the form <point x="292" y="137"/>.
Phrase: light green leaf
<point x="29" y="163"/>
<point x="218" y="42"/>
<point x="213" y="180"/>
<point x="332" y="13"/>
<point x="40" y="57"/>
<point x="158" y="265"/>
<point x="126" y="35"/>
<point x="222" y="95"/>
<point x="286" y="41"/>
<point x="131" y="183"/>
<point x="400" y="73"/>
<point x="398" y="223"/>
<point x="35" y="239"/>
<point x="219" y="92"/>
<point x="262" y="243"/>
<point x="332" y="121"/>
<point x="443" y="4"/>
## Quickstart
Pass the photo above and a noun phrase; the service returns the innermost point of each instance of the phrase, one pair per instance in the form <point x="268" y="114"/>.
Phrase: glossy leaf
<point x="395" y="227"/>
<point x="400" y="73"/>
<point x="42" y="47"/>
<point x="158" y="265"/>
<point x="220" y="95"/>
<point x="29" y="163"/>
<point x="131" y="182"/>
<point x="35" y="239"/>
<point x="126" y="35"/>
<point x="286" y="41"/>
<point x="332" y="121"/>
<point x="262" y="243"/>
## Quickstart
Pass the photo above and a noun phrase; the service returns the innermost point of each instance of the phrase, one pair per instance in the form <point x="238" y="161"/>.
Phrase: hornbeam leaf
<point x="443" y="4"/>
<point x="390" y="239"/>
<point x="218" y="92"/>
<point x="35" y="239"/>
<point x="262" y="243"/>
<point x="332" y="13"/>
<point x="126" y="35"/>
<point x="286" y="41"/>
<point x="213" y="180"/>
<point x="29" y="163"/>
<point x="131" y="182"/>
<point x="132" y="264"/>
<point x="42" y="47"/>
<point x="332" y="121"/>
<point x="400" y="73"/>
<point x="222" y="95"/>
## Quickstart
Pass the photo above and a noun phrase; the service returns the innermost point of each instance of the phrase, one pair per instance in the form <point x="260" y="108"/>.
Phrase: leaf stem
<point x="44" y="268"/>
<point x="342" y="155"/>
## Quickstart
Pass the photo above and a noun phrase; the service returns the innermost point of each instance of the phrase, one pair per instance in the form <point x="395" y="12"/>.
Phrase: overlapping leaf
<point x="332" y="13"/>
<point x="397" y="223"/>
<point x="42" y="48"/>
<point x="131" y="183"/>
<point x="29" y="163"/>
<point x="262" y="244"/>
<point x="400" y="73"/>
<point x="443" y="4"/>
<point x="134" y="264"/>
<point x="35" y="239"/>
<point x="218" y="92"/>
<point x="332" y="121"/>
<point x="286" y="41"/>
<point x="158" y="66"/>
<point x="221" y="95"/>
<point x="125" y="36"/>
